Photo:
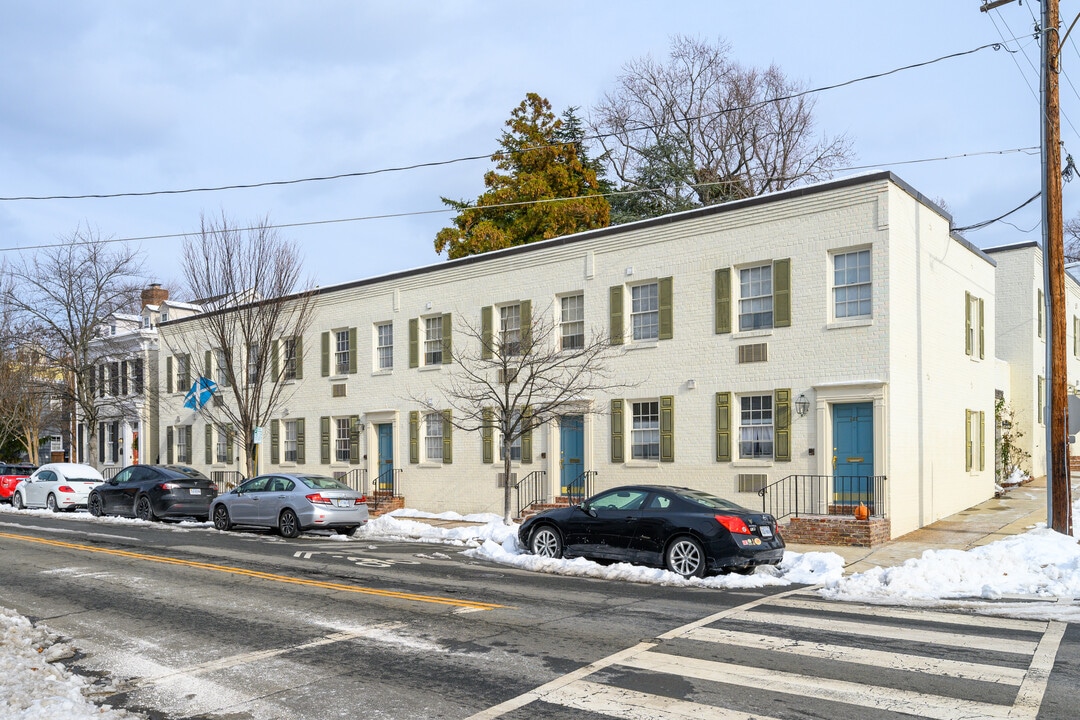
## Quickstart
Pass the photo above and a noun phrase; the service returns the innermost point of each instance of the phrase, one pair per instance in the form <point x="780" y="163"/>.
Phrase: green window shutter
<point x="982" y="440"/>
<point x="447" y="437"/>
<point x="667" y="326"/>
<point x="967" y="323"/>
<point x="722" y="301"/>
<point x="526" y="326"/>
<point x="301" y="456"/>
<point x="414" y="343"/>
<point x="982" y="332"/>
<point x="782" y="425"/>
<point x="275" y="442"/>
<point x="210" y="444"/>
<point x="967" y="440"/>
<point x="723" y="427"/>
<point x="326" y="354"/>
<point x="487" y="436"/>
<point x="615" y="311"/>
<point x="324" y="440"/>
<point x="354" y="440"/>
<point x="299" y="357"/>
<point x="526" y="436"/>
<point x="168" y="375"/>
<point x="447" y="341"/>
<point x="207" y="372"/>
<point x="414" y="436"/>
<point x="230" y="440"/>
<point x="274" y="367"/>
<point x="169" y="445"/>
<point x="667" y="428"/>
<point x="618" y="448"/>
<point x="781" y="270"/>
<point x="485" y="333"/>
<point x="352" y="351"/>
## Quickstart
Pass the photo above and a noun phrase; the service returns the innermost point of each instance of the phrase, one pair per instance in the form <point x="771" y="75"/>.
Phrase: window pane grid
<point x="510" y="329"/>
<point x="645" y="432"/>
<point x="290" y="441"/>
<point x="756" y="426"/>
<point x="645" y="311"/>
<point x="289" y="358"/>
<point x="573" y="322"/>
<point x="433" y="437"/>
<point x="433" y="341"/>
<point x="341" y="448"/>
<point x="341" y="352"/>
<point x="756" y="302"/>
<point x="852" y="284"/>
<point x="385" y="346"/>
<point x="221" y="446"/>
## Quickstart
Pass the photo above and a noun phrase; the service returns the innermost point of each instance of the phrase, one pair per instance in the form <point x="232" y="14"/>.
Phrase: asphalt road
<point x="193" y="623"/>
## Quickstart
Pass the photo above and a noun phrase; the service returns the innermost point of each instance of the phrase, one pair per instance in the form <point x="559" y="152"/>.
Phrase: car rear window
<point x="710" y="501"/>
<point x="181" y="471"/>
<point x="320" y="482"/>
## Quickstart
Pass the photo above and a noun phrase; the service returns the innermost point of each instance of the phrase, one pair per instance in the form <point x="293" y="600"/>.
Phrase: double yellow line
<point x="464" y="604"/>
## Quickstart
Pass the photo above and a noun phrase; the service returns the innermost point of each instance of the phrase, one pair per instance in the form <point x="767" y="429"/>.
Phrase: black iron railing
<point x="530" y="489"/>
<point x="110" y="472"/>
<point x="385" y="486"/>
<point x="580" y="487"/>
<point x="798" y="495"/>
<point x="226" y="480"/>
<point x="355" y="479"/>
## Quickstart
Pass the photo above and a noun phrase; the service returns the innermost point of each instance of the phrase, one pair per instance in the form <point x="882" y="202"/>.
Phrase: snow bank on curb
<point x="35" y="687"/>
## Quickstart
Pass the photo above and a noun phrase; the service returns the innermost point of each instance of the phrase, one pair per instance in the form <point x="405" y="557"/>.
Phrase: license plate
<point x="344" y="503"/>
<point x="195" y="491"/>
<point x="766" y="532"/>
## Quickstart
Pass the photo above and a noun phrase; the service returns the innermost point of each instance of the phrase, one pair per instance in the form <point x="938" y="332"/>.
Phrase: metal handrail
<point x="530" y="489"/>
<point x="384" y="488"/>
<point x="355" y="479"/>
<point x="797" y="495"/>
<point x="581" y="487"/>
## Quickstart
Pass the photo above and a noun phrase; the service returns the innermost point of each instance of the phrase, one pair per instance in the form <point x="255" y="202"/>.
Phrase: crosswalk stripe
<point x="631" y="705"/>
<point x="881" y="698"/>
<point x="1034" y="626"/>
<point x="1029" y="698"/>
<point x="975" y="642"/>
<point x="876" y="658"/>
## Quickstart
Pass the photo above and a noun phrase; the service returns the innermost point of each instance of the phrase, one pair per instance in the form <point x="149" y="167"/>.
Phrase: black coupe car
<point x="150" y="492"/>
<point x="687" y="531"/>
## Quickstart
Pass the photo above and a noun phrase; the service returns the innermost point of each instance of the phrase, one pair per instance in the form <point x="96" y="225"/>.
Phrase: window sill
<point x="857" y="322"/>
<point x="752" y="463"/>
<point x="428" y="465"/>
<point x="387" y="371"/>
<point x="743" y="334"/>
<point x="338" y="378"/>
<point x="642" y="344"/>
<point x="631" y="464"/>
<point x="430" y="368"/>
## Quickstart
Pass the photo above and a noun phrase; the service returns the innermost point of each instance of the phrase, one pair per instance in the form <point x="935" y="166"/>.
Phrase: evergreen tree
<point x="542" y="160"/>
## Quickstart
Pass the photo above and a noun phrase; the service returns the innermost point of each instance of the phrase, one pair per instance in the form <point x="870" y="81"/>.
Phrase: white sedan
<point x="57" y="486"/>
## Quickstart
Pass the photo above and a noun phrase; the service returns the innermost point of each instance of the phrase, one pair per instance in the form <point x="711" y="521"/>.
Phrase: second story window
<point x="645" y="311"/>
<point x="341" y="352"/>
<point x="572" y="322"/>
<point x="384" y="346"/>
<point x="136" y="369"/>
<point x="851" y="284"/>
<point x="253" y="369"/>
<point x="510" y="329"/>
<point x="183" y="379"/>
<point x="288" y="358"/>
<point x="755" y="298"/>
<point x="433" y="340"/>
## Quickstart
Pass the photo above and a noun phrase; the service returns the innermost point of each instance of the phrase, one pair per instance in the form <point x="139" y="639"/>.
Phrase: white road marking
<point x="66" y="531"/>
<point x="875" y="658"/>
<point x="631" y="705"/>
<point x="947" y="618"/>
<point x="1030" y="697"/>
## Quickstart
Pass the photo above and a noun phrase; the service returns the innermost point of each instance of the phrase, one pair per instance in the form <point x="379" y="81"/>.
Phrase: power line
<point x="470" y="158"/>
<point x="984" y="223"/>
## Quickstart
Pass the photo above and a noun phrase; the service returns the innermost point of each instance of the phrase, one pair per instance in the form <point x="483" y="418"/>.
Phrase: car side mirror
<point x="113" y="481"/>
<point x="587" y="509"/>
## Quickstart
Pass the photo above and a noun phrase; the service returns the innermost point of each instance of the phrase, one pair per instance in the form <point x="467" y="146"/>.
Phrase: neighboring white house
<point x="835" y="329"/>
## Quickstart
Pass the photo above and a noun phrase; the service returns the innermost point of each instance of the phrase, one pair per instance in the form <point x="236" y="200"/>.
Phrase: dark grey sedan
<point x="153" y="492"/>
<point x="291" y="503"/>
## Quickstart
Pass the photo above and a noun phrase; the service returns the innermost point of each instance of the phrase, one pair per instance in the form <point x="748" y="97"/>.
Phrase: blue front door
<point x="572" y="459"/>
<point x="385" y="480"/>
<point x="853" y="453"/>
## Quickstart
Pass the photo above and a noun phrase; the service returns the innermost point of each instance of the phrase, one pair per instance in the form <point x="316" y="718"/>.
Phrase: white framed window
<point x="183" y="444"/>
<point x="510" y="329"/>
<point x="973" y="329"/>
<point x="341" y="352"/>
<point x="645" y="430"/>
<point x="220" y="370"/>
<point x="572" y="322"/>
<point x="290" y="440"/>
<point x="433" y="437"/>
<point x="755" y="298"/>
<point x="110" y="442"/>
<point x="433" y="340"/>
<point x="252" y="364"/>
<point x="288" y="358"/>
<point x="222" y="446"/>
<point x="851" y="284"/>
<point x="645" y="311"/>
<point x="384" y="346"/>
<point x="756" y="426"/>
<point x="341" y="438"/>
<point x="183" y="379"/>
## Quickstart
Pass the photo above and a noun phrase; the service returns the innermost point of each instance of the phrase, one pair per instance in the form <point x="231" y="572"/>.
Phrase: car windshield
<point x="322" y="483"/>
<point x="710" y="501"/>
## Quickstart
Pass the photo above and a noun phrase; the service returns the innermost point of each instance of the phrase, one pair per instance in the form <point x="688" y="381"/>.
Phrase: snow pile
<point x="467" y="530"/>
<point x="35" y="686"/>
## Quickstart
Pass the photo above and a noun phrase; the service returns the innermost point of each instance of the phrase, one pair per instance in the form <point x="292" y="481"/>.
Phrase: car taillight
<point x="168" y="486"/>
<point x="733" y="524"/>
<point x="65" y="489"/>
<point x="318" y="499"/>
<point x="362" y="500"/>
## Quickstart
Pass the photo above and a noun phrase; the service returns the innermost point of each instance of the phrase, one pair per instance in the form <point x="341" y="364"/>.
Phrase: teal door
<point x="572" y="458"/>
<point x="853" y="453"/>
<point x="385" y="480"/>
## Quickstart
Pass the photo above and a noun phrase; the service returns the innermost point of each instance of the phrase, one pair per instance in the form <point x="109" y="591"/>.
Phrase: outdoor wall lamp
<point x="358" y="426"/>
<point x="802" y="405"/>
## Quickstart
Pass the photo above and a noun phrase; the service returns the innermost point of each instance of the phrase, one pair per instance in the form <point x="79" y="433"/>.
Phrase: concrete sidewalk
<point x="1018" y="511"/>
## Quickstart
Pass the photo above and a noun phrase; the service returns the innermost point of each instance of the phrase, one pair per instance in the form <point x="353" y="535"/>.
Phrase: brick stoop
<point x="535" y="508"/>
<point x="837" y="530"/>
<point x="386" y="505"/>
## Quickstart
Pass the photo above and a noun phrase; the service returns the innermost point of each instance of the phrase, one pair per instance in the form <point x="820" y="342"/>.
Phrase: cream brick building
<point x="836" y="328"/>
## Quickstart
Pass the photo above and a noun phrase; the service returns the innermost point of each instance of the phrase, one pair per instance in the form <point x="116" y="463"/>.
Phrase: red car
<point x="10" y="476"/>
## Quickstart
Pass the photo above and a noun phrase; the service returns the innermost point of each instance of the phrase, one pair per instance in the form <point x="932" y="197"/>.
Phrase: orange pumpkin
<point x="862" y="512"/>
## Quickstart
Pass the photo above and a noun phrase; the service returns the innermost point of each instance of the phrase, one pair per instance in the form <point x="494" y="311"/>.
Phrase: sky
<point x="132" y="97"/>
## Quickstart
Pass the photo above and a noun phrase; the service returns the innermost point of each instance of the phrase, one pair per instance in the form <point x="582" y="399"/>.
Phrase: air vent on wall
<point x="758" y="352"/>
<point x="338" y="389"/>
<point x="752" y="482"/>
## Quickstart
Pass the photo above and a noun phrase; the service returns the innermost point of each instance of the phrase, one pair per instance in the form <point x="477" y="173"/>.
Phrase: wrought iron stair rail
<point x="355" y="479"/>
<point x="530" y="490"/>
<point x="384" y="488"/>
<point x="797" y="495"/>
<point x="580" y="488"/>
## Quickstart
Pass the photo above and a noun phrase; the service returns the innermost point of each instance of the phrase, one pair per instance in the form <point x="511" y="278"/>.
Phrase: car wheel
<point x="288" y="524"/>
<point x="685" y="557"/>
<point x="50" y="502"/>
<point x="546" y="542"/>
<point x="346" y="531"/>
<point x="93" y="505"/>
<point x="17" y="501"/>
<point x="143" y="510"/>
<point x="221" y="518"/>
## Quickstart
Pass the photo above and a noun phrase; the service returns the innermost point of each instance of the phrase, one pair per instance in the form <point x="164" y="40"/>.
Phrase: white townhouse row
<point x="834" y="330"/>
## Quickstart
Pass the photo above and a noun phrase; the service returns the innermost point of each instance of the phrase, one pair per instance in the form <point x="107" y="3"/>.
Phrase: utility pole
<point x="1059" y="492"/>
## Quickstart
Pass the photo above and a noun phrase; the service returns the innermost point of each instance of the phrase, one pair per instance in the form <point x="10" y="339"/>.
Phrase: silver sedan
<point x="291" y="503"/>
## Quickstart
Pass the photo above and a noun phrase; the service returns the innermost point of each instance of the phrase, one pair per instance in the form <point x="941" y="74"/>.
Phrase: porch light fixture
<point x="358" y="426"/>
<point x="802" y="405"/>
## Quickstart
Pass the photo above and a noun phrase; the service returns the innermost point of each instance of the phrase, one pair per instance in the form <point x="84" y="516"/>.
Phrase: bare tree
<point x="701" y="129"/>
<point x="256" y="310"/>
<point x="59" y="299"/>
<point x="515" y="380"/>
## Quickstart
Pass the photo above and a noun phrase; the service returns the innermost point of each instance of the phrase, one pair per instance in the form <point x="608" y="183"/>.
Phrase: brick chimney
<point x="154" y="295"/>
